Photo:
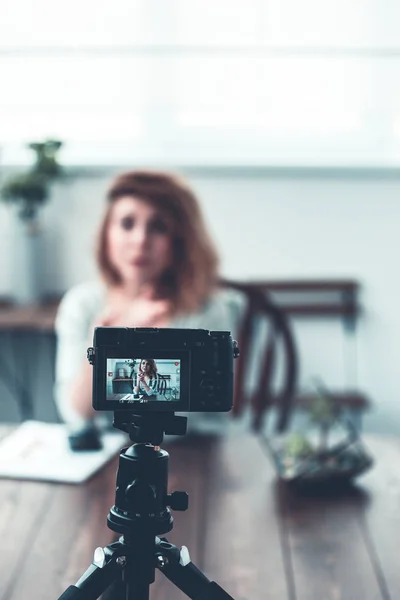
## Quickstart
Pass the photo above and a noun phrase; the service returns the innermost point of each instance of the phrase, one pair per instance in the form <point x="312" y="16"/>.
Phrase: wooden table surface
<point x="253" y="535"/>
<point x="36" y="317"/>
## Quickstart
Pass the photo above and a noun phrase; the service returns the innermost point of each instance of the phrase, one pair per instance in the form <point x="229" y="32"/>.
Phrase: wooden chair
<point x="162" y="384"/>
<point x="260" y="308"/>
<point x="273" y="301"/>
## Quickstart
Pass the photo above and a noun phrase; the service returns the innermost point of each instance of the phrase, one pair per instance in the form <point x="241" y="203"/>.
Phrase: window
<point x="198" y="81"/>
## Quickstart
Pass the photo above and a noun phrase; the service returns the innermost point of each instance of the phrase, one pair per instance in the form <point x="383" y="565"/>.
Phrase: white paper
<point x="40" y="451"/>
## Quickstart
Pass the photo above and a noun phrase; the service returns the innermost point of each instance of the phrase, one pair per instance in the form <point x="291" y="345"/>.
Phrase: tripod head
<point x="141" y="499"/>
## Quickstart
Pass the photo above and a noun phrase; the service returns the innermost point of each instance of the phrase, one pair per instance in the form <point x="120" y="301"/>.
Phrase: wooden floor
<point x="251" y="534"/>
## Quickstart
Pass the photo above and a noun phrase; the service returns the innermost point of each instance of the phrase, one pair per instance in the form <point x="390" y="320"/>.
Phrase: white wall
<point x="272" y="227"/>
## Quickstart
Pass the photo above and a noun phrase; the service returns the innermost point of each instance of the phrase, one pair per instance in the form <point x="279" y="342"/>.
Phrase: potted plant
<point x="335" y="454"/>
<point x="131" y="362"/>
<point x="27" y="192"/>
<point x="30" y="190"/>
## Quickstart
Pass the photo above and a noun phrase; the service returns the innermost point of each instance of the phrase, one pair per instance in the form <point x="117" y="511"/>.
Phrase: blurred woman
<point x="159" y="268"/>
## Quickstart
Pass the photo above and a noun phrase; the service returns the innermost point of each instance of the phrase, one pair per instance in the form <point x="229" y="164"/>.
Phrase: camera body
<point x="144" y="370"/>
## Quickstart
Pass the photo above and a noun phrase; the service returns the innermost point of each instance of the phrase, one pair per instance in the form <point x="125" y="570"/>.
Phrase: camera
<point x="145" y="370"/>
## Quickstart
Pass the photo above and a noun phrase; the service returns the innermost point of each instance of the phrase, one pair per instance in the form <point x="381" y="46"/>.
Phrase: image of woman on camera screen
<point x="147" y="380"/>
<point x="158" y="268"/>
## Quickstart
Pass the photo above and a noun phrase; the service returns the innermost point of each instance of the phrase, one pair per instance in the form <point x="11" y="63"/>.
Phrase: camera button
<point x="207" y="384"/>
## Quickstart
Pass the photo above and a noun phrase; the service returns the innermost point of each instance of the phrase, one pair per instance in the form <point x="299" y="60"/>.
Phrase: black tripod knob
<point x="178" y="501"/>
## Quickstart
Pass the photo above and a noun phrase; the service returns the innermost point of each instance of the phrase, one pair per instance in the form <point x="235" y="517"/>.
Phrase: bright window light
<point x="194" y="80"/>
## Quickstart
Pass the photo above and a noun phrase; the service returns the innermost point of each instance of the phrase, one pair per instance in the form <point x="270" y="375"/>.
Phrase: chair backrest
<point x="162" y="384"/>
<point x="279" y="335"/>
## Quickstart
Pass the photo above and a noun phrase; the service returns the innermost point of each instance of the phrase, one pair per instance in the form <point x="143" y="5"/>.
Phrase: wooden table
<point x="250" y="533"/>
<point x="36" y="317"/>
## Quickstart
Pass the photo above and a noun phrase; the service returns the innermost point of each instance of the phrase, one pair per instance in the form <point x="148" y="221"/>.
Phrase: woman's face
<point x="145" y="366"/>
<point x="139" y="241"/>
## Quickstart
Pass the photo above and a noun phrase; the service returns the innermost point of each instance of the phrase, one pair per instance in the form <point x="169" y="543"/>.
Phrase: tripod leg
<point x="104" y="569"/>
<point x="178" y="568"/>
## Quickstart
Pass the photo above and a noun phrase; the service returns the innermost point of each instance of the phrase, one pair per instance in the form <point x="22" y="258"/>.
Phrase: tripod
<point x="141" y="513"/>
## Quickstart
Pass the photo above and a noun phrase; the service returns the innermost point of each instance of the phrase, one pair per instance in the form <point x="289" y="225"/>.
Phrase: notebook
<point x="40" y="451"/>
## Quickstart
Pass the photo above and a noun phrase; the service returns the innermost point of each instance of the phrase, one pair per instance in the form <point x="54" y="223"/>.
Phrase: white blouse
<point x="84" y="302"/>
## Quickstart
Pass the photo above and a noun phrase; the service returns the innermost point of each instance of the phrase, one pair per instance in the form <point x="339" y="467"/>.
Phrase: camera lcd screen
<point x="141" y="380"/>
